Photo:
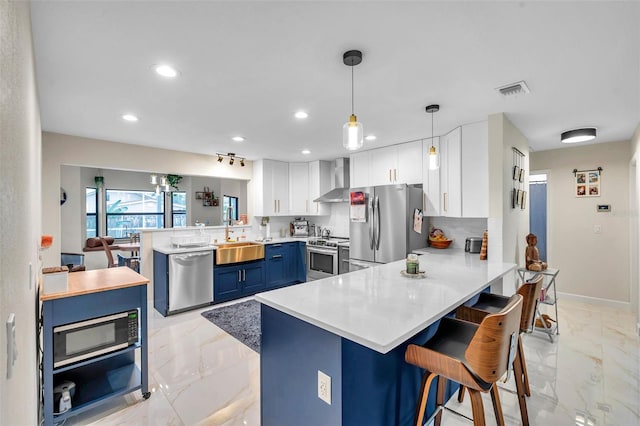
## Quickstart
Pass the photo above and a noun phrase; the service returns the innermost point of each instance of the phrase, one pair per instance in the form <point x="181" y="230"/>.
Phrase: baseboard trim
<point x="597" y="301"/>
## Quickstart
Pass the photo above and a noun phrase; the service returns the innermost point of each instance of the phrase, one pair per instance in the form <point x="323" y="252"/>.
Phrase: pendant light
<point x="434" y="159"/>
<point x="352" y="131"/>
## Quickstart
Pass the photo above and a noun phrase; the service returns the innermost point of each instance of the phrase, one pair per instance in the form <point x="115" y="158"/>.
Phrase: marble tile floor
<point x="199" y="375"/>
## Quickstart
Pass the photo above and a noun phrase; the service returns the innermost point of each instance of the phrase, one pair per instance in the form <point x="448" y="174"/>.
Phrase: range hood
<point x="340" y="191"/>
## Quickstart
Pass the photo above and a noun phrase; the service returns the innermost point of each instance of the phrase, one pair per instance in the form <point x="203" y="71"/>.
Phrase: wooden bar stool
<point x="473" y="355"/>
<point x="490" y="303"/>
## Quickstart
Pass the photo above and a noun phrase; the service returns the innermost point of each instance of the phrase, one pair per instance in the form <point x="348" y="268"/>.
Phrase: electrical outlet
<point x="324" y="387"/>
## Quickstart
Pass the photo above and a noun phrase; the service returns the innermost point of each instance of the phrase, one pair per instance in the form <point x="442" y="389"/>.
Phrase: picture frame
<point x="587" y="183"/>
<point x="521" y="175"/>
<point x="199" y="195"/>
<point x="523" y="202"/>
<point x="516" y="173"/>
<point x="519" y="199"/>
<point x="514" y="198"/>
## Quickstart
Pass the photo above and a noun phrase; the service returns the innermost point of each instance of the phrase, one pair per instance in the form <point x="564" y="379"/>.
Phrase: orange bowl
<point x="440" y="244"/>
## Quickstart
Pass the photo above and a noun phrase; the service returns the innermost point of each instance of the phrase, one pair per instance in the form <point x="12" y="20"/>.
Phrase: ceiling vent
<point x="519" y="88"/>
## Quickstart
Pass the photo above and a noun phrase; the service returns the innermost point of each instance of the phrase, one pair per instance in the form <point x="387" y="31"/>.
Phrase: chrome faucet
<point x="228" y="222"/>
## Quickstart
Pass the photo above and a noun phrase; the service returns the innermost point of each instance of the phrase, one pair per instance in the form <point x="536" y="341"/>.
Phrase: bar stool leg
<point x="476" y="407"/>
<point x="523" y="363"/>
<point x="427" y="378"/>
<point x="442" y="386"/>
<point x="461" y="393"/>
<point x="517" y="367"/>
<point x="497" y="407"/>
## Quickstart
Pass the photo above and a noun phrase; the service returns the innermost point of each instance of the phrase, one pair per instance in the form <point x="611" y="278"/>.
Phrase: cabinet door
<point x="319" y="184"/>
<point x="409" y="163"/>
<point x="280" y="186"/>
<point x="299" y="202"/>
<point x="452" y="188"/>
<point x="359" y="169"/>
<point x="431" y="180"/>
<point x="383" y="166"/>
<point x="475" y="170"/>
<point x="275" y="265"/>
<point x="253" y="278"/>
<point x="226" y="283"/>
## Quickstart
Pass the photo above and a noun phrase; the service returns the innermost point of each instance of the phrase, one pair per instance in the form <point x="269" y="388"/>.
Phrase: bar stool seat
<point x="474" y="355"/>
<point x="489" y="303"/>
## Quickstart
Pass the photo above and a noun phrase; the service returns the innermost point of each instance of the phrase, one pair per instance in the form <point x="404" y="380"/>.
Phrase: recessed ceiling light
<point x="371" y="138"/>
<point x="130" y="117"/>
<point x="306" y="152"/>
<point x="301" y="114"/>
<point x="578" y="135"/>
<point x="166" y="71"/>
<point x="238" y="138"/>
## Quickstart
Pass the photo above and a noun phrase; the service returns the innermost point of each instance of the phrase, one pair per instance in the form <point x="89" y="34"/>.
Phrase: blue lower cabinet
<point x="284" y="262"/>
<point x="234" y="281"/>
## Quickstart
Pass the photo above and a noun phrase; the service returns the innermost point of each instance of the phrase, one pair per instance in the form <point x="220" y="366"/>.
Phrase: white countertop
<point x="167" y="249"/>
<point x="378" y="307"/>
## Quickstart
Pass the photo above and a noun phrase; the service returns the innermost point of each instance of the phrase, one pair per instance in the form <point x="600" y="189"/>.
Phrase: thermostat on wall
<point x="604" y="207"/>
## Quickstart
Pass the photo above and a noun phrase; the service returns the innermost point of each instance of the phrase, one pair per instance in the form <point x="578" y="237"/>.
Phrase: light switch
<point x="597" y="229"/>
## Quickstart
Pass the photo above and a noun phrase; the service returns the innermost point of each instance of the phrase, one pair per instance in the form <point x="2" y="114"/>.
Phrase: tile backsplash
<point x="458" y="229"/>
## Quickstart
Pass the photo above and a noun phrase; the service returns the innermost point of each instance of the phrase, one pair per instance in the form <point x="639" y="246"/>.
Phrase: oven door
<point x="321" y="262"/>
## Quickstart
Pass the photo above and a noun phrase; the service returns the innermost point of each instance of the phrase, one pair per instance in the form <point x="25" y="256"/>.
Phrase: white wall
<point x="20" y="157"/>
<point x="58" y="149"/>
<point x="507" y="227"/>
<point x="635" y="221"/>
<point x="592" y="265"/>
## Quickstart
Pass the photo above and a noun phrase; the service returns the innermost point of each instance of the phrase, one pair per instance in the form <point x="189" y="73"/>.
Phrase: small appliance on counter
<point x="473" y="244"/>
<point x="300" y="227"/>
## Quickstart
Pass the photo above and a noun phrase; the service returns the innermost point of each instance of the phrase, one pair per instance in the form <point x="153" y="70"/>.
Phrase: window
<point x="228" y="201"/>
<point x="132" y="211"/>
<point x="179" y="209"/>
<point x="91" y="204"/>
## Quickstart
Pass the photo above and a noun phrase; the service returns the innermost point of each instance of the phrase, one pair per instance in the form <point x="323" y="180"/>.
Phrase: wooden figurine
<point x="532" y="255"/>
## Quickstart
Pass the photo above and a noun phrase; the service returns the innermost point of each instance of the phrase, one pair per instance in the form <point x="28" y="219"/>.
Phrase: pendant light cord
<point x="352" y="109"/>
<point x="431" y="129"/>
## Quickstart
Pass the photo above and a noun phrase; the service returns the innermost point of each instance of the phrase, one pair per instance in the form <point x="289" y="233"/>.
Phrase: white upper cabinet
<point x="359" y="169"/>
<point x="475" y="170"/>
<point x="319" y="184"/>
<point x="384" y="166"/>
<point x="451" y="174"/>
<point x="299" y="188"/>
<point x="308" y="181"/>
<point x="463" y="175"/>
<point x="271" y="188"/>
<point x="431" y="179"/>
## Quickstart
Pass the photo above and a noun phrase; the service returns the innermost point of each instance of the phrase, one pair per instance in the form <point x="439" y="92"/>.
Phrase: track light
<point x="232" y="158"/>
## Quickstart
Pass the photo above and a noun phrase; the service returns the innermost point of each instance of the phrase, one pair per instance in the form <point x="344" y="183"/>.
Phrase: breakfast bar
<point x="344" y="338"/>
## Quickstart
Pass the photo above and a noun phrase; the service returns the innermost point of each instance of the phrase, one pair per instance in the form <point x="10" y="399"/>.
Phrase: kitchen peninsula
<point x="355" y="328"/>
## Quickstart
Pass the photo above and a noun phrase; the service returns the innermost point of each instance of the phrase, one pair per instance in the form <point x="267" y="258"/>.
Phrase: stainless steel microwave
<point x="86" y="339"/>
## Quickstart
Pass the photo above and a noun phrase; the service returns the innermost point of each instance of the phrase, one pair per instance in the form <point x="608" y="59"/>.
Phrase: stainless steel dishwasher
<point x="190" y="280"/>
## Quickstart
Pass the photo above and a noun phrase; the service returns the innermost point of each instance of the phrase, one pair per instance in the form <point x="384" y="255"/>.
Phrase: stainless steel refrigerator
<point x="381" y="224"/>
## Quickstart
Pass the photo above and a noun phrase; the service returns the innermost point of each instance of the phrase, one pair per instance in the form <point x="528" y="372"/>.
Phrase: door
<point x="299" y="188"/>
<point x="538" y="211"/>
<point x="361" y="233"/>
<point x="253" y="278"/>
<point x="390" y="223"/>
<point x="227" y="283"/>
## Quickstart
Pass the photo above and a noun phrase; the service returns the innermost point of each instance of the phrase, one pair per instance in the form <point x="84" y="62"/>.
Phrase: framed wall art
<point x="587" y="182"/>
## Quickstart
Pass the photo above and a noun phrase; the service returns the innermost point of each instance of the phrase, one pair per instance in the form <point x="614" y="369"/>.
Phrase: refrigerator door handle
<point x="371" y="224"/>
<point x="376" y="232"/>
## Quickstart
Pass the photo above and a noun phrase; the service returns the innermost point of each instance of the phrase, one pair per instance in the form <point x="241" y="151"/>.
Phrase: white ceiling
<point x="246" y="67"/>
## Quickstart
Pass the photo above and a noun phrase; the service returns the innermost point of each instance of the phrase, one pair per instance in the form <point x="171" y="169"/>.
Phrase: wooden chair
<point x="473" y="355"/>
<point x="110" y="262"/>
<point x="490" y="303"/>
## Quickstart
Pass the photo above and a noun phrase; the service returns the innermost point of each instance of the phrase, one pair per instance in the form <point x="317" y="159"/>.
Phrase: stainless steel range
<point x="322" y="257"/>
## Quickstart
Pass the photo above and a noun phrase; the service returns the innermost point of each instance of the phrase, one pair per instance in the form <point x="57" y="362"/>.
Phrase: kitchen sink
<point x="238" y="252"/>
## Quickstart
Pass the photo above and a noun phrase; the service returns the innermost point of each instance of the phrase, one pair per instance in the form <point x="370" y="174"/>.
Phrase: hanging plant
<point x="174" y="180"/>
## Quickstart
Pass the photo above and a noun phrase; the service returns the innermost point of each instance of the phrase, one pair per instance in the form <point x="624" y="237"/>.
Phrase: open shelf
<point x="97" y="382"/>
